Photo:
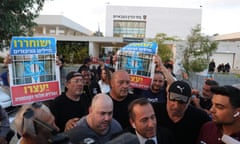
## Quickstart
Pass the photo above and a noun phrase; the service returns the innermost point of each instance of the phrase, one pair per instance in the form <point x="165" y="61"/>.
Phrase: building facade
<point x="228" y="50"/>
<point x="146" y="22"/>
<point x="138" y="24"/>
<point x="59" y="25"/>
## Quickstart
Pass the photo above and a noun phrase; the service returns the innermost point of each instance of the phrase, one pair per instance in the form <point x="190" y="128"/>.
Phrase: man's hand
<point x="7" y="60"/>
<point x="196" y="101"/>
<point x="195" y="98"/>
<point x="71" y="123"/>
<point x="59" y="62"/>
<point x="158" y="62"/>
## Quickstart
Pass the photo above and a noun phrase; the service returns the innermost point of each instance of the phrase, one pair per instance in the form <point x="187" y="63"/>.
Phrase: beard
<point x="219" y="123"/>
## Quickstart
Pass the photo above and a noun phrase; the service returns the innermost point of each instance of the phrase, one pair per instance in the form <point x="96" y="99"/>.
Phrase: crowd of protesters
<point x="99" y="107"/>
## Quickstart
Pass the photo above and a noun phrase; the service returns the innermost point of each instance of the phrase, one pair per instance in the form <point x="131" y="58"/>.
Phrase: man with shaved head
<point x="98" y="125"/>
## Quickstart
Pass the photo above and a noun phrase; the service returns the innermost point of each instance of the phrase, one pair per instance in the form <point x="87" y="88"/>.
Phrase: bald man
<point x="98" y="125"/>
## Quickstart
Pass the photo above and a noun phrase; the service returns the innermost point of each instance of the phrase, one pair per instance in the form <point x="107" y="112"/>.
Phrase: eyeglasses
<point x="76" y="81"/>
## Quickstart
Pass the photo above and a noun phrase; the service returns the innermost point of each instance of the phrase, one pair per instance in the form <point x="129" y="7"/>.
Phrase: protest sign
<point x="34" y="75"/>
<point x="137" y="60"/>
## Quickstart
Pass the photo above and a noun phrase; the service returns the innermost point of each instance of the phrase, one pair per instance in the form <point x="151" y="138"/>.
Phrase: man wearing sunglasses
<point x="178" y="116"/>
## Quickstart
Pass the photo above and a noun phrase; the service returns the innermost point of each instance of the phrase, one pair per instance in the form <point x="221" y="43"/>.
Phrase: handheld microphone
<point x="229" y="140"/>
<point x="125" y="138"/>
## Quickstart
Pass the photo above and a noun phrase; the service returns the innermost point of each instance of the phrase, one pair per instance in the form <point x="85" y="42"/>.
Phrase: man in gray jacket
<point x="98" y="125"/>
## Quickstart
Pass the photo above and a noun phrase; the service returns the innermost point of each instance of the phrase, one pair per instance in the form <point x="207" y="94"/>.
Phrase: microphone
<point x="229" y="140"/>
<point x="125" y="138"/>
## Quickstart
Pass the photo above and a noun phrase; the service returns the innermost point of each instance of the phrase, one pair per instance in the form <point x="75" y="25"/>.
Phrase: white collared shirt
<point x="142" y="139"/>
<point x="105" y="88"/>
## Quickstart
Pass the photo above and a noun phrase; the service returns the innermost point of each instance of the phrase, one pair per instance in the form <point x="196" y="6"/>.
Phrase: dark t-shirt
<point x="205" y="103"/>
<point x="120" y="110"/>
<point x="187" y="129"/>
<point x="64" y="109"/>
<point x="160" y="96"/>
<point x="91" y="90"/>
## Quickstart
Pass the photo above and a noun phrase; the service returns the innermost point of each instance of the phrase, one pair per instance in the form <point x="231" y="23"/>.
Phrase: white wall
<point x="228" y="52"/>
<point x="224" y="58"/>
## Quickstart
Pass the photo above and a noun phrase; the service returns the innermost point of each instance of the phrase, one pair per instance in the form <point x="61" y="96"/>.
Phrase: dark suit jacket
<point x="164" y="136"/>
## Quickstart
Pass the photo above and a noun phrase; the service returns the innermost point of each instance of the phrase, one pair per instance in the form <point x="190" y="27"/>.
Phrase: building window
<point x="132" y="29"/>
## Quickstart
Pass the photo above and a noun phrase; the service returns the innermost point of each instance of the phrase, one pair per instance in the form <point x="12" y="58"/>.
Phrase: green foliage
<point x="1" y="59"/>
<point x="16" y="18"/>
<point x="73" y="52"/>
<point x="164" y="50"/>
<point x="198" y="50"/>
<point x="198" y="65"/>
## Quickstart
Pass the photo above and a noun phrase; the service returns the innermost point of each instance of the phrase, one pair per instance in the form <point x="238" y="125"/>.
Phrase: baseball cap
<point x="180" y="91"/>
<point x="87" y="60"/>
<point x="72" y="74"/>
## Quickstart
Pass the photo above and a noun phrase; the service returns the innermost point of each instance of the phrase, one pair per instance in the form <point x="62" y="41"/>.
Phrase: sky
<point x="218" y="16"/>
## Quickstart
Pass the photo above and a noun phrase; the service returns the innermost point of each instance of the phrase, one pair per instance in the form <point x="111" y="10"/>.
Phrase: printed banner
<point x="137" y="60"/>
<point x="34" y="75"/>
<point x="36" y="92"/>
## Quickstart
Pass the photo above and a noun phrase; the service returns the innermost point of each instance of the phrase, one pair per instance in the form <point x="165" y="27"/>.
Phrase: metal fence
<point x="197" y="80"/>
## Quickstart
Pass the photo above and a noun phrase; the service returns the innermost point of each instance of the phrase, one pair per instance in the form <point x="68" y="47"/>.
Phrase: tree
<point x="16" y="18"/>
<point x="98" y="34"/>
<point x="164" y="50"/>
<point x="198" y="51"/>
<point x="73" y="52"/>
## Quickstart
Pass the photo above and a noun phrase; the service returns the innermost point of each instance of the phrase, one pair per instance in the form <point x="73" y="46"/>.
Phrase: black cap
<point x="72" y="74"/>
<point x="180" y="91"/>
